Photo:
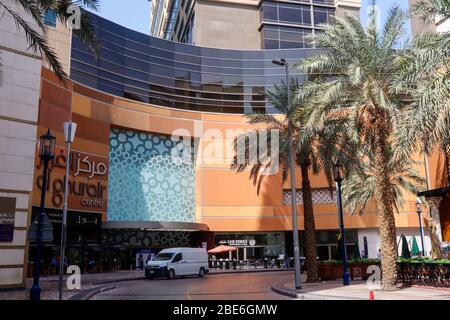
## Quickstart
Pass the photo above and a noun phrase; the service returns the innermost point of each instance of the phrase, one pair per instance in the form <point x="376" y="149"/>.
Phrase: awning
<point x="221" y="249"/>
<point x="440" y="192"/>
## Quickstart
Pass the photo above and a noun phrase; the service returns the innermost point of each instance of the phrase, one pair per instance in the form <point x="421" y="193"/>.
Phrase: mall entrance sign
<point x="7" y="217"/>
<point x="238" y="242"/>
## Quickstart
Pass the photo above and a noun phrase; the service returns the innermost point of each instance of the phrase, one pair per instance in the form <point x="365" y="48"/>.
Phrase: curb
<point x="88" y="294"/>
<point x="250" y="271"/>
<point x="307" y="296"/>
<point x="117" y="280"/>
<point x="285" y="292"/>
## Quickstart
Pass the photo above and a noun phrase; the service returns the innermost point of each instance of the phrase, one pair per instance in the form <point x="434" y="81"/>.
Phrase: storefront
<point x="327" y="244"/>
<point x="259" y="245"/>
<point x="87" y="204"/>
<point x="126" y="241"/>
<point x="83" y="239"/>
<point x="254" y="245"/>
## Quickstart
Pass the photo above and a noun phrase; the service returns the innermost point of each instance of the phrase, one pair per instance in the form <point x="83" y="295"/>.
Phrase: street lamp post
<point x="46" y="153"/>
<point x="419" y="213"/>
<point x="69" y="136"/>
<point x="297" y="266"/>
<point x="338" y="177"/>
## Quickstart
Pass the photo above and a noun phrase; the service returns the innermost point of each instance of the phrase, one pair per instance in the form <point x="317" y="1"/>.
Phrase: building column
<point x="435" y="227"/>
<point x="434" y="203"/>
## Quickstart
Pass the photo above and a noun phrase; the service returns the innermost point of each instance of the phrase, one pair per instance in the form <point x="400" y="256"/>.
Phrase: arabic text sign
<point x="81" y="164"/>
<point x="87" y="186"/>
<point x="7" y="215"/>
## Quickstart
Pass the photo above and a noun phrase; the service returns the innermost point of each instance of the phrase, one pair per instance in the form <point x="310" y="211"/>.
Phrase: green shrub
<point x="355" y="261"/>
<point x="424" y="261"/>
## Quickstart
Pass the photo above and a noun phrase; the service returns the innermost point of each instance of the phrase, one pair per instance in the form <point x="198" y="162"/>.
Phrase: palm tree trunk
<point x="386" y="219"/>
<point x="310" y="228"/>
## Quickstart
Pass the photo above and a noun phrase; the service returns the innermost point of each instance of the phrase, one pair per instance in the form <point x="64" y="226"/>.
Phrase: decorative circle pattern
<point x="145" y="182"/>
<point x="152" y="238"/>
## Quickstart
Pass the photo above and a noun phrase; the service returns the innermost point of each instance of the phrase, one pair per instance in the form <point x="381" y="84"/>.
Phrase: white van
<point x="178" y="262"/>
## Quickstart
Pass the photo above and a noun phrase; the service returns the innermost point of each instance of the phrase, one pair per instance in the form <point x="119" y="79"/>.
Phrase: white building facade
<point x="19" y="104"/>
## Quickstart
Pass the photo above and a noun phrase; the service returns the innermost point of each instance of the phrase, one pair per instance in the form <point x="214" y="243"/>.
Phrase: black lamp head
<point x="338" y="171"/>
<point x="47" y="146"/>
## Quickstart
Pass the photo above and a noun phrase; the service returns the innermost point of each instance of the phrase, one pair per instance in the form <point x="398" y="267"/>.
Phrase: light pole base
<point x="298" y="287"/>
<point x="35" y="293"/>
<point x="346" y="279"/>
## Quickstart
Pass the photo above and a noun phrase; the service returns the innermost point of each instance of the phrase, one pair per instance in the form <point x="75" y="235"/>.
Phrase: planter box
<point x="359" y="270"/>
<point x="331" y="271"/>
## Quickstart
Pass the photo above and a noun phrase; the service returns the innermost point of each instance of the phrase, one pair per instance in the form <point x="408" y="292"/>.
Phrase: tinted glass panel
<point x="50" y="18"/>
<point x="152" y="70"/>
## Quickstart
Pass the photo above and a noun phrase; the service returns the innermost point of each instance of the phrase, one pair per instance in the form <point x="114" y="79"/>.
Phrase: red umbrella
<point x="221" y="249"/>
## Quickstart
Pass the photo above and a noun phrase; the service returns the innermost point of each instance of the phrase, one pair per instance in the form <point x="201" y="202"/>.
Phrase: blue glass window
<point x="50" y="18"/>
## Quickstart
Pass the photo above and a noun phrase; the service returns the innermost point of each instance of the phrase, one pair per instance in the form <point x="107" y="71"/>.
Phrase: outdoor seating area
<point x="242" y="264"/>
<point x="234" y="264"/>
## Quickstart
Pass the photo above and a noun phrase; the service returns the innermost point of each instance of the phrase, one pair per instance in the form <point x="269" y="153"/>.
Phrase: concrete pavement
<point x="358" y="290"/>
<point x="231" y="286"/>
<point x="258" y="284"/>
<point x="93" y="282"/>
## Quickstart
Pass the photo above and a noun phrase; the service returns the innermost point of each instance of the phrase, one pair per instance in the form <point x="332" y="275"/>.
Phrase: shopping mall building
<point x="144" y="98"/>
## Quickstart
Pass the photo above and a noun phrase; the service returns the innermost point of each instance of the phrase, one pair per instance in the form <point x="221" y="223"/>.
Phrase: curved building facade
<point x="156" y="71"/>
<point x="135" y="105"/>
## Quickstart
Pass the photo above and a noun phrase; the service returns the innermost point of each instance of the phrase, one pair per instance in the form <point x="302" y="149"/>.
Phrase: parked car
<point x="174" y="262"/>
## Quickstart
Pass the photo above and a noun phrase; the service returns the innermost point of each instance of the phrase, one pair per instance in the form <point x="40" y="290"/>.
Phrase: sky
<point x="135" y="14"/>
<point x="384" y="6"/>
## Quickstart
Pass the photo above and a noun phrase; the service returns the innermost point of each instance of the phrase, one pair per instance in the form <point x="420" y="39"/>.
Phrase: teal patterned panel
<point x="145" y="182"/>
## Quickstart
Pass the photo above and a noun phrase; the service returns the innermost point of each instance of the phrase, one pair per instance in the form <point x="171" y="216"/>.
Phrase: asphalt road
<point x="240" y="286"/>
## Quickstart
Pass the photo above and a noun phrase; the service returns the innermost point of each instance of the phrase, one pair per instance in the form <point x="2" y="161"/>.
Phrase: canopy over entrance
<point x="221" y="249"/>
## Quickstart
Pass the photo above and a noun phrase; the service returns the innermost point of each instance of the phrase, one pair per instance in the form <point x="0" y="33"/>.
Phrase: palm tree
<point x="36" y="9"/>
<point x="426" y="75"/>
<point x="314" y="149"/>
<point x="359" y="187"/>
<point x="354" y="79"/>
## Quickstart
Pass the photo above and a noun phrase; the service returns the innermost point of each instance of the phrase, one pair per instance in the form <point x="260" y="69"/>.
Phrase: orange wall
<point x="226" y="201"/>
<point x="437" y="168"/>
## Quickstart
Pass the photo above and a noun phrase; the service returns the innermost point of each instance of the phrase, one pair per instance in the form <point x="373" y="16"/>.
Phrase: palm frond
<point x="37" y="42"/>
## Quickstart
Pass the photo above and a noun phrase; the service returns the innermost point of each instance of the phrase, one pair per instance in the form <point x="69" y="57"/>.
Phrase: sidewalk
<point x="89" y="281"/>
<point x="358" y="290"/>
